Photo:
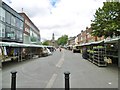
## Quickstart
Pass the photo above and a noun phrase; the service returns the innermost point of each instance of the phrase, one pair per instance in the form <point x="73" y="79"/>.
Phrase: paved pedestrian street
<point x="48" y="72"/>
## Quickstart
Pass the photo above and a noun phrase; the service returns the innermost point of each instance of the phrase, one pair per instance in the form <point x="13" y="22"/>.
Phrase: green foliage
<point x="107" y="20"/>
<point x="45" y="43"/>
<point x="62" y="40"/>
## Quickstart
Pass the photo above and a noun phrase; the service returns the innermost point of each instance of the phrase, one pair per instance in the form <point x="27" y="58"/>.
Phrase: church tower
<point x="53" y="40"/>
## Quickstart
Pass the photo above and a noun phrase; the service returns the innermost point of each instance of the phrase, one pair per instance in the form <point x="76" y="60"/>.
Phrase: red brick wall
<point x="25" y="25"/>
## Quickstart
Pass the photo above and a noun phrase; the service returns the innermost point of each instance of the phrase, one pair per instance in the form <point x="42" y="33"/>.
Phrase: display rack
<point x="90" y="55"/>
<point x="99" y="54"/>
<point x="111" y="52"/>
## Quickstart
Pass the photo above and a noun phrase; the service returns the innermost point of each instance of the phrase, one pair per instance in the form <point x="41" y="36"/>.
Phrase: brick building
<point x="86" y="37"/>
<point x="71" y="41"/>
<point x="31" y="32"/>
<point x="89" y="37"/>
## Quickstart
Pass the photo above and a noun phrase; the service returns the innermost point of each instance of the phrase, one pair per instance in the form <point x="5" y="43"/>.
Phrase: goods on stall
<point x="108" y="60"/>
<point x="0" y="53"/>
<point x="99" y="54"/>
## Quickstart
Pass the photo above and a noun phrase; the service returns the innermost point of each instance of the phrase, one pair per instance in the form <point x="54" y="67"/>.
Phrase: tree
<point x="107" y="20"/>
<point x="62" y="40"/>
<point x="45" y="42"/>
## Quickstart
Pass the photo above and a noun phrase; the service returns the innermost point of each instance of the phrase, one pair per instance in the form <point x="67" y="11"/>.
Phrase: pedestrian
<point x="60" y="49"/>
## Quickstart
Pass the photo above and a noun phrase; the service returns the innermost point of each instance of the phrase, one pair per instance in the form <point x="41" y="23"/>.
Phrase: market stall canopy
<point x="115" y="40"/>
<point x="98" y="42"/>
<point x="91" y="43"/>
<point x="47" y="46"/>
<point x="84" y="44"/>
<point x="13" y="44"/>
<point x="4" y="44"/>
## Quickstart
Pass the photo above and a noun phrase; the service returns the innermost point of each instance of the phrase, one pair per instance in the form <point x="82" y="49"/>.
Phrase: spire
<point x="53" y="37"/>
<point x="22" y="9"/>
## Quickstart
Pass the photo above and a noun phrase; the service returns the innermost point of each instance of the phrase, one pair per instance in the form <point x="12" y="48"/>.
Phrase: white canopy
<point x="13" y="44"/>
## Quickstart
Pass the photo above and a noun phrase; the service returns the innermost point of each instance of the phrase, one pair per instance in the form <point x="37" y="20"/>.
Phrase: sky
<point x="58" y="16"/>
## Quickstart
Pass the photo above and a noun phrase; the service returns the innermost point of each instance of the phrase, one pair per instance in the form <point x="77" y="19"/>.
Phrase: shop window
<point x="8" y="17"/>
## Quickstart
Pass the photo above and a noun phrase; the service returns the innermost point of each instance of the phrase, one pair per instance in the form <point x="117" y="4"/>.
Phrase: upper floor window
<point x="2" y="14"/>
<point x="13" y="33"/>
<point x="19" y="24"/>
<point x="13" y="20"/>
<point x="19" y="35"/>
<point x="8" y="32"/>
<point x="8" y="17"/>
<point x="2" y="30"/>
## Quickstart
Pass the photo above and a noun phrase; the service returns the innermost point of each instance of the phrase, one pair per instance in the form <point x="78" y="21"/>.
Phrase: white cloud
<point x="68" y="17"/>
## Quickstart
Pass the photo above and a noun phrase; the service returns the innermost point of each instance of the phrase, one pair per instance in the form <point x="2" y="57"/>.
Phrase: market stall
<point x="94" y="52"/>
<point x="18" y="51"/>
<point x="112" y="51"/>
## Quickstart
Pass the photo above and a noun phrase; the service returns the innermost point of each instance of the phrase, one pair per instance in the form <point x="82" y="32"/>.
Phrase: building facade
<point x="76" y="41"/>
<point x="83" y="37"/>
<point x="31" y="32"/>
<point x="11" y="25"/>
<point x="89" y="37"/>
<point x="71" y="41"/>
<point x="86" y="37"/>
<point x="0" y="3"/>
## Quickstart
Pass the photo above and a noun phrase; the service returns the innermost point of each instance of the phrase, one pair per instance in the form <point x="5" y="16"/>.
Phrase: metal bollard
<point x="13" y="80"/>
<point x="67" y="87"/>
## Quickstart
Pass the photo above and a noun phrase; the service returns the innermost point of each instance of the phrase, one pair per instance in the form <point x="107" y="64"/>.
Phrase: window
<point x="2" y="30"/>
<point x="12" y="33"/>
<point x="17" y="22"/>
<point x="8" y="17"/>
<point x="21" y="25"/>
<point x="8" y="30"/>
<point x="13" y="20"/>
<point x="19" y="35"/>
<point x="2" y="14"/>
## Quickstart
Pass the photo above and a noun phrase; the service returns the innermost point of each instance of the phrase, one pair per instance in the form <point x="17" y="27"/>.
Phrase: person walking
<point x="60" y="49"/>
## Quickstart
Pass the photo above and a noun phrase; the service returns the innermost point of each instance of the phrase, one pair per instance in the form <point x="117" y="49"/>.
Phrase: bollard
<point x="67" y="87"/>
<point x="13" y="80"/>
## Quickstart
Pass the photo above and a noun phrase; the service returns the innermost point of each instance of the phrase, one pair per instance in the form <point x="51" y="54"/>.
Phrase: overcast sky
<point x="58" y="16"/>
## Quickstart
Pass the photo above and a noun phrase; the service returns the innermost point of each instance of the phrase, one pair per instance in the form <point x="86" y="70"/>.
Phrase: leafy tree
<point x="62" y="40"/>
<point x="107" y="20"/>
<point x="45" y="42"/>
